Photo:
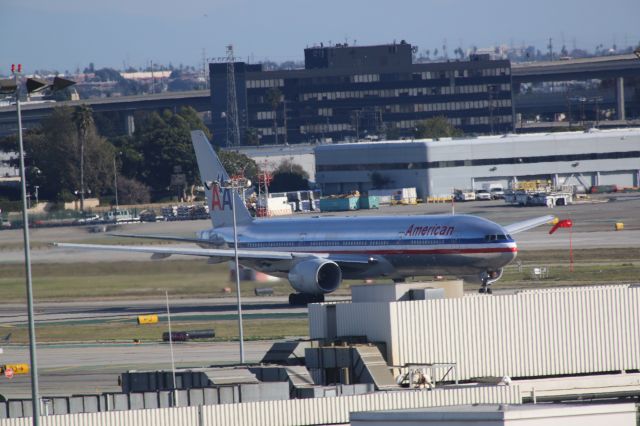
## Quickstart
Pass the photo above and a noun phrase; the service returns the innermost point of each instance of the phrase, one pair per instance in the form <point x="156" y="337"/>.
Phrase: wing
<point x="162" y="252"/>
<point x="514" y="228"/>
<point x="169" y="238"/>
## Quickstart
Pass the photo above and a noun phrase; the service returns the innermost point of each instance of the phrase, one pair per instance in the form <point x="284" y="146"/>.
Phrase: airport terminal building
<point x="436" y="167"/>
<point x="350" y="92"/>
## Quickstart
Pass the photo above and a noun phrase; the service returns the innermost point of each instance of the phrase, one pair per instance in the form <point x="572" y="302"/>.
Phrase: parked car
<point x="497" y="193"/>
<point x="483" y="194"/>
<point x="148" y="216"/>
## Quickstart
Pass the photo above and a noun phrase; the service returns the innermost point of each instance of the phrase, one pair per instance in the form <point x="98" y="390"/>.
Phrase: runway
<point x="210" y="308"/>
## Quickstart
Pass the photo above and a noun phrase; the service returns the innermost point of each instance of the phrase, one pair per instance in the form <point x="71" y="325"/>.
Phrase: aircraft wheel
<point x="489" y="290"/>
<point x="303" y="299"/>
<point x="482" y="290"/>
<point x="296" y="299"/>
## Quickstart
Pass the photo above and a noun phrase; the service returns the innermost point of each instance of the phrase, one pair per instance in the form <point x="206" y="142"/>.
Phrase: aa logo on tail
<point x="220" y="201"/>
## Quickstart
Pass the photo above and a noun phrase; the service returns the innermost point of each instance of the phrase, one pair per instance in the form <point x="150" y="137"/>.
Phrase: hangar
<point x="436" y="167"/>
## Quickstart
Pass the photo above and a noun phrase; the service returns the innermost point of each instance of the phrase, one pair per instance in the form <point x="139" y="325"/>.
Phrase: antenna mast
<point x="205" y="73"/>
<point x="233" y="128"/>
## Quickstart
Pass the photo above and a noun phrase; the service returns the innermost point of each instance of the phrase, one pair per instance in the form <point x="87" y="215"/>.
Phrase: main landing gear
<point x="303" y="299"/>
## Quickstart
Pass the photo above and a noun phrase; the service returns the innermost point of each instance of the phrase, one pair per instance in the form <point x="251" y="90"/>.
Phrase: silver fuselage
<point x="399" y="246"/>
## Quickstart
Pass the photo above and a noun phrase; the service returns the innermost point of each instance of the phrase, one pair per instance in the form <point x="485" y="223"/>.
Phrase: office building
<point x="361" y="92"/>
<point x="435" y="168"/>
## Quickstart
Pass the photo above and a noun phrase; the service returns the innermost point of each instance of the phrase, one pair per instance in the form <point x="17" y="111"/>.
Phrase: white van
<point x="120" y="216"/>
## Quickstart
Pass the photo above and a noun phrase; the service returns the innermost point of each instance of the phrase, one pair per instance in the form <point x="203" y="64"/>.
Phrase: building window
<point x="365" y="78"/>
<point x="265" y="115"/>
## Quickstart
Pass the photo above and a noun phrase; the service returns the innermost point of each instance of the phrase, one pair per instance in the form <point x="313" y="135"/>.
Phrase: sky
<point x="69" y="34"/>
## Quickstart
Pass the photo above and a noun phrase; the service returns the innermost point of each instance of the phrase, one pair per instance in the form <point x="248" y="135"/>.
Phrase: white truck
<point x="495" y="189"/>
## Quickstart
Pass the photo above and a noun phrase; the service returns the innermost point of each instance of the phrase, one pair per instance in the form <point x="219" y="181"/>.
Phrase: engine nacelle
<point x="315" y="276"/>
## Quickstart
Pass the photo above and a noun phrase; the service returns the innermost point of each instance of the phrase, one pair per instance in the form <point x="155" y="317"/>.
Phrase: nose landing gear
<point x="487" y="278"/>
<point x="485" y="288"/>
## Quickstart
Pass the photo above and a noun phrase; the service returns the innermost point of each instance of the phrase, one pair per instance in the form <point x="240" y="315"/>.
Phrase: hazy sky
<point x="66" y="34"/>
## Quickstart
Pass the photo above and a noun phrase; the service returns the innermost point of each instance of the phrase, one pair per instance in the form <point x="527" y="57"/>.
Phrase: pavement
<point x="93" y="368"/>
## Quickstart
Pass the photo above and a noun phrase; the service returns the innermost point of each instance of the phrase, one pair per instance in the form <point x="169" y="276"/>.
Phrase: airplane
<point x="316" y="253"/>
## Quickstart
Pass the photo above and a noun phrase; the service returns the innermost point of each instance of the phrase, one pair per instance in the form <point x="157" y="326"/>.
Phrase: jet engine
<point x="315" y="276"/>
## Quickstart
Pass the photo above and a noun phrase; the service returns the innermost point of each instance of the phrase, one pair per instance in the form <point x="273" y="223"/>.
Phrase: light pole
<point x="35" y="397"/>
<point x="115" y="180"/>
<point x="13" y="87"/>
<point x="235" y="185"/>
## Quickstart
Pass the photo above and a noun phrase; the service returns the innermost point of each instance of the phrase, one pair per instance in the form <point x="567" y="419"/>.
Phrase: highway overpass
<point x="616" y="67"/>
<point x="33" y="113"/>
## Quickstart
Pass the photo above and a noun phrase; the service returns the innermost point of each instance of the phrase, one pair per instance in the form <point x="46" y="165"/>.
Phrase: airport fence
<point x="312" y="411"/>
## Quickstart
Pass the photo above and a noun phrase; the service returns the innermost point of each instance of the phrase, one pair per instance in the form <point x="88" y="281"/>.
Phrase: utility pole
<point x="115" y="183"/>
<point x="82" y="173"/>
<point x="233" y="128"/>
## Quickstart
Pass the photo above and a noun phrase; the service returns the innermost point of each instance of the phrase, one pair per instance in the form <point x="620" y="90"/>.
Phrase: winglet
<point x="525" y="225"/>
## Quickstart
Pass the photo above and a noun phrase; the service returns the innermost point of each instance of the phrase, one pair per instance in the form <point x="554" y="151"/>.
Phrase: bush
<point x="7" y="206"/>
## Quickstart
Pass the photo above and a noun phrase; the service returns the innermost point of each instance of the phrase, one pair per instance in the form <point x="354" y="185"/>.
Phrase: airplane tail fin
<point x="218" y="199"/>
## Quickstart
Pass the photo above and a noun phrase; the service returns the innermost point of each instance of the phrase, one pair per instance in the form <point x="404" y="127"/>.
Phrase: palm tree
<point x="273" y="96"/>
<point x="83" y="117"/>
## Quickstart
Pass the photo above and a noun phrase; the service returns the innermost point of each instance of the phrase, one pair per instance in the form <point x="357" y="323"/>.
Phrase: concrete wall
<point x="534" y="333"/>
<point x="231" y="394"/>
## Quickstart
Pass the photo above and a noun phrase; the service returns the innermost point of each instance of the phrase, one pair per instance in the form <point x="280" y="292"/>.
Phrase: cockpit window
<point x="497" y="237"/>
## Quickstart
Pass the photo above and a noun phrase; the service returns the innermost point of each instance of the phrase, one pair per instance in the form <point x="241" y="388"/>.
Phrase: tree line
<point x="75" y="149"/>
<point x="68" y="152"/>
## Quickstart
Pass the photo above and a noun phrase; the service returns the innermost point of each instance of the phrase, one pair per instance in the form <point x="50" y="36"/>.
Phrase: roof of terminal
<point x="511" y="137"/>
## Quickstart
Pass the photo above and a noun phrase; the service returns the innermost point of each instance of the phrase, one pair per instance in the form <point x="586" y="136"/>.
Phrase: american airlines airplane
<point x="315" y="254"/>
